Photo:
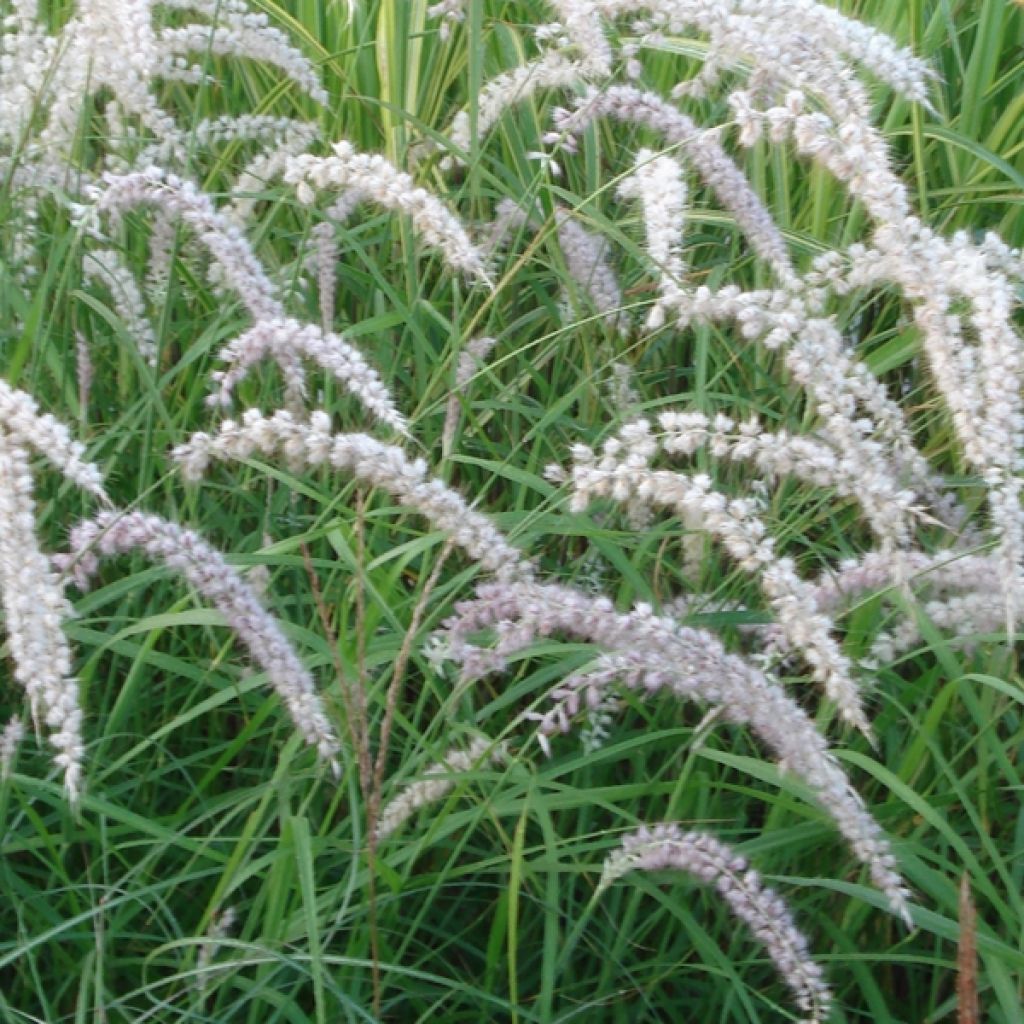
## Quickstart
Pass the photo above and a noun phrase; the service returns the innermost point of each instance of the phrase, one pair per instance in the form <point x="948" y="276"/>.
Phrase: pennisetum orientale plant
<point x="704" y="524"/>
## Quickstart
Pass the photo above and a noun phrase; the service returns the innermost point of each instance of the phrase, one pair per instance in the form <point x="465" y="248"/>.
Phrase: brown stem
<point x="347" y="689"/>
<point x="394" y="688"/>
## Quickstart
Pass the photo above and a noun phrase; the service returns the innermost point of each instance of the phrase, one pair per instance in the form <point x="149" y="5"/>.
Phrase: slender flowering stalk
<point x="653" y="653"/>
<point x="623" y="473"/>
<point x="380" y="182"/>
<point x="667" y="847"/>
<point x="436" y="783"/>
<point x="779" y="453"/>
<point x="470" y="361"/>
<point x="252" y="181"/>
<point x="172" y="195"/>
<point x="35" y="609"/>
<point x="701" y="149"/>
<point x="274" y="332"/>
<point x="84" y="373"/>
<point x="220" y="928"/>
<point x="31" y="593"/>
<point x="851" y="402"/>
<point x="575" y="50"/>
<point x="288" y="341"/>
<point x="978" y="381"/>
<point x="106" y="267"/>
<point x="117" y="532"/>
<point x="311" y="443"/>
<point x="323" y="261"/>
<point x="658" y="184"/>
<point x="236" y="30"/>
<point x="585" y="254"/>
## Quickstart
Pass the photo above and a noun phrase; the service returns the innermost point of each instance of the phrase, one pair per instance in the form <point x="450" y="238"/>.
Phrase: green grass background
<point x="199" y="796"/>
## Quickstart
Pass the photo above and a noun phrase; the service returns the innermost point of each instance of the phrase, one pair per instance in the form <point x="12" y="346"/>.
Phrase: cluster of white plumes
<point x="788" y="70"/>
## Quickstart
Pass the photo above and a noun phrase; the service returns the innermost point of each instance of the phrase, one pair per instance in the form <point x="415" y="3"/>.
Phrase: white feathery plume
<point x="274" y="332"/>
<point x="381" y="182"/>
<point x="978" y="379"/>
<point x="651" y="653"/>
<point x="27" y="427"/>
<point x="118" y="532"/>
<point x="851" y="402"/>
<point x="311" y="443"/>
<point x="667" y="847"/>
<point x="106" y="267"/>
<point x="658" y="184"/>
<point x="255" y="176"/>
<point x="163" y="191"/>
<point x="623" y="472"/>
<point x="289" y="341"/>
<point x="889" y="512"/>
<point x="576" y="51"/>
<point x="33" y="599"/>
<point x="698" y="147"/>
<point x="238" y="31"/>
<point x="452" y="12"/>
<point x="437" y="782"/>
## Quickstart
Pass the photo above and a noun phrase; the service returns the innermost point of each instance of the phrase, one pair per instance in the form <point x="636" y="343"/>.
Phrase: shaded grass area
<point x="199" y="797"/>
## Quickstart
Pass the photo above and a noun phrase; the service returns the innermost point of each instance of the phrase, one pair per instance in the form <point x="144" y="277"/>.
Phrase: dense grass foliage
<point x="199" y="795"/>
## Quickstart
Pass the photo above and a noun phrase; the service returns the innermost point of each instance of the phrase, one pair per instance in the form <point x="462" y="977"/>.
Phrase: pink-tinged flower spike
<point x="311" y="443"/>
<point x="117" y="532"/>
<point x="651" y="653"/>
<point x="471" y="359"/>
<point x="699" y="147"/>
<point x="623" y="473"/>
<point x="256" y="175"/>
<point x="437" y="782"/>
<point x="668" y="848"/>
<point x="35" y="609"/>
<point x="238" y="31"/>
<point x="795" y="42"/>
<point x="274" y="333"/>
<point x="888" y="511"/>
<point x="574" y="50"/>
<point x="238" y="267"/>
<point x="658" y="184"/>
<point x="585" y="254"/>
<point x="106" y="267"/>
<point x="285" y="339"/>
<point x="27" y="427"/>
<point x="838" y="386"/>
<point x="235" y="264"/>
<point x="382" y="183"/>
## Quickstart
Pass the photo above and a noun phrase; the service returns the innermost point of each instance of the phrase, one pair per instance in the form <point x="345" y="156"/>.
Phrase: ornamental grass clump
<point x="512" y="420"/>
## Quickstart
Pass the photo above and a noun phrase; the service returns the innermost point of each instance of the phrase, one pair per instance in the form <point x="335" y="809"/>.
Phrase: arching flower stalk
<point x="31" y="593"/>
<point x="650" y="654"/>
<point x="380" y="182"/>
<point x="585" y="254"/>
<point x="623" y="473"/>
<point x="437" y="782"/>
<point x="235" y="265"/>
<point x="668" y="848"/>
<point x="311" y="443"/>
<point x="117" y="532"/>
